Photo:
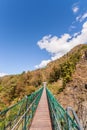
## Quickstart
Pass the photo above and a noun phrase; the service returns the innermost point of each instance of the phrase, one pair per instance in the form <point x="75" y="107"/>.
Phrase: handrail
<point x="69" y="109"/>
<point x="24" y="115"/>
<point x="60" y="118"/>
<point x="21" y="114"/>
<point x="10" y="116"/>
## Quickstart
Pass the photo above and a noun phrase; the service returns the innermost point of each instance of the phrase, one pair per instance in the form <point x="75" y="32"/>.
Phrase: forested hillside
<point x="58" y="74"/>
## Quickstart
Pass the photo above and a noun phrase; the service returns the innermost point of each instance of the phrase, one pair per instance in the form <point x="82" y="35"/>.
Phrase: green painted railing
<point x="60" y="118"/>
<point x="19" y="116"/>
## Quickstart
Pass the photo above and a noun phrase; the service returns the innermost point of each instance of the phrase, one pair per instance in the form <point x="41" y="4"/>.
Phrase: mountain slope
<point x="74" y="93"/>
<point x="66" y="78"/>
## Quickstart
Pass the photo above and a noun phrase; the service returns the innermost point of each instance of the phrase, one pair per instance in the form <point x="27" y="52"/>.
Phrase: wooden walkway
<point x="41" y="120"/>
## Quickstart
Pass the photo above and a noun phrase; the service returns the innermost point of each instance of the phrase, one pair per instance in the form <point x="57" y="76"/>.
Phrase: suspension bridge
<point x="39" y="111"/>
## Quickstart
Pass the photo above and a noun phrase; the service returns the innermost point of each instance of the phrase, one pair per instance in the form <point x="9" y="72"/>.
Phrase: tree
<point x="54" y="74"/>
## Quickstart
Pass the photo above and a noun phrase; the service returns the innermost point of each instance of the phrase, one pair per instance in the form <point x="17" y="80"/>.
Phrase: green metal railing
<point x="60" y="118"/>
<point x="19" y="116"/>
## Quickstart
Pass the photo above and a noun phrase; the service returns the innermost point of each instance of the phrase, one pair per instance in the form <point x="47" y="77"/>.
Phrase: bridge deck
<point x="41" y="120"/>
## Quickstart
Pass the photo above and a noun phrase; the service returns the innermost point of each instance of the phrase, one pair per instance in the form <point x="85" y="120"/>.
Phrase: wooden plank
<point x="41" y="120"/>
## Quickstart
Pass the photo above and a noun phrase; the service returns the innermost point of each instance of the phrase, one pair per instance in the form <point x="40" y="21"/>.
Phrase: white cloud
<point x="76" y="34"/>
<point x="75" y="9"/>
<point x="58" y="46"/>
<point x="78" y="18"/>
<point x="84" y="16"/>
<point x="43" y="64"/>
<point x="81" y="18"/>
<point x="2" y="74"/>
<point x="72" y="27"/>
<point x="51" y="43"/>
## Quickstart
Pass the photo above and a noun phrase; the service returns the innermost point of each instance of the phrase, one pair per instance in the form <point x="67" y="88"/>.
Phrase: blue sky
<point x="35" y="32"/>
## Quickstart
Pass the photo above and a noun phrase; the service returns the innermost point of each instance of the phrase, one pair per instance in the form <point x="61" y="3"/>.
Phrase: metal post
<point x="26" y="113"/>
<point x="68" y="109"/>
